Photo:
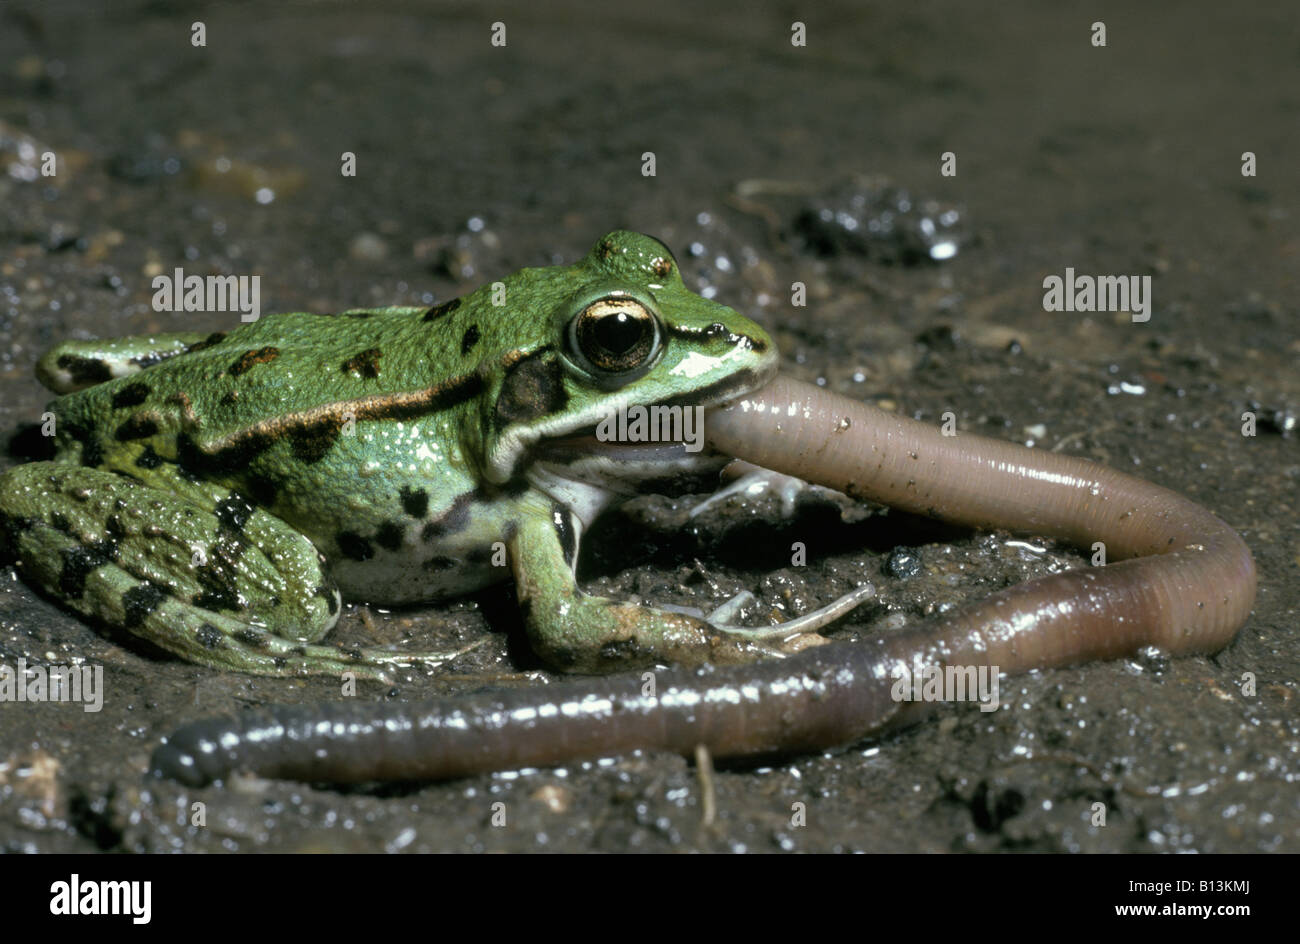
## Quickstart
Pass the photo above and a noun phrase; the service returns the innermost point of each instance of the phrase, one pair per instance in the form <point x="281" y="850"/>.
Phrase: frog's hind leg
<point x="74" y="365"/>
<point x="228" y="586"/>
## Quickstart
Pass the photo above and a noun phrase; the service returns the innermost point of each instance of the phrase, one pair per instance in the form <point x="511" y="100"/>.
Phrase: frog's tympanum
<point x="214" y="494"/>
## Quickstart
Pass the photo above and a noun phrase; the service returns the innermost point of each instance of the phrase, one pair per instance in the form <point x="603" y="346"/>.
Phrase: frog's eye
<point x="615" y="335"/>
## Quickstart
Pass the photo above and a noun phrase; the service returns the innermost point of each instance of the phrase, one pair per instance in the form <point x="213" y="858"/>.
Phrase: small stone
<point x="904" y="563"/>
<point x="368" y="247"/>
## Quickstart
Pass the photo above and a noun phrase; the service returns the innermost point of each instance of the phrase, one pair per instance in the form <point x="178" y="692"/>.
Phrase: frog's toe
<point x="792" y="635"/>
<point x="752" y="481"/>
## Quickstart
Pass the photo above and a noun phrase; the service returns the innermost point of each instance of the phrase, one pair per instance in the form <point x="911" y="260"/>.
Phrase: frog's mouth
<point x="636" y="445"/>
<point x="628" y="467"/>
<point x="632" y="443"/>
<point x="627" y="437"/>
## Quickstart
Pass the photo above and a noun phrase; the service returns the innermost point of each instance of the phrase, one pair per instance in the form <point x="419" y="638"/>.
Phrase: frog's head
<point x="625" y="333"/>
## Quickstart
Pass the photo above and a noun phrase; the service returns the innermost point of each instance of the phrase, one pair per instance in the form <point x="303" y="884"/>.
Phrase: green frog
<point x="216" y="494"/>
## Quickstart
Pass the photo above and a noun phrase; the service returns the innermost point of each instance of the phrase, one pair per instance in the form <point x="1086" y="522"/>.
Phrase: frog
<point x="219" y="495"/>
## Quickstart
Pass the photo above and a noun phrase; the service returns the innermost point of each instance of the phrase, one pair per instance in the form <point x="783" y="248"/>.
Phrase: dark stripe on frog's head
<point x="739" y="382"/>
<point x="716" y="331"/>
<point x="533" y="387"/>
<point x="312" y="432"/>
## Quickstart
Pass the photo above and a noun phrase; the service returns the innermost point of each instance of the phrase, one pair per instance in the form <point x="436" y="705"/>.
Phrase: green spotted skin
<point x="213" y="494"/>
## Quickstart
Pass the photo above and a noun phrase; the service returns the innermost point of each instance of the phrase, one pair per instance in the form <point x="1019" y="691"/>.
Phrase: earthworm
<point x="1181" y="580"/>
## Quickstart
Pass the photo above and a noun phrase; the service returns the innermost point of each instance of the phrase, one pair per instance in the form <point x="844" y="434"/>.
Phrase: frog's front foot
<point x="751" y="481"/>
<point x="781" y="639"/>
<point x="579" y="633"/>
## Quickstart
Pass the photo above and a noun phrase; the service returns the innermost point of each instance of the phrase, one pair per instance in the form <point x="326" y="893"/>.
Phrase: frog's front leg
<point x="202" y="574"/>
<point x="580" y="633"/>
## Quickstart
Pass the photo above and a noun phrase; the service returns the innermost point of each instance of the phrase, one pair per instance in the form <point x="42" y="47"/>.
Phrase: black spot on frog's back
<point x="212" y="340"/>
<point x="252" y="637"/>
<point x="365" y="363"/>
<point x="469" y="340"/>
<point x="250" y="359"/>
<point x="262" y="490"/>
<point x="453" y="520"/>
<point x="233" y="513"/>
<point x="92" y="450"/>
<point x="133" y="394"/>
<point x="136" y="426"/>
<point x="148" y="458"/>
<point x="441" y="311"/>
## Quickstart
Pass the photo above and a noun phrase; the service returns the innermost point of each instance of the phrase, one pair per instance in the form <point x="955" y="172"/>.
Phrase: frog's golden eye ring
<point x="615" y="336"/>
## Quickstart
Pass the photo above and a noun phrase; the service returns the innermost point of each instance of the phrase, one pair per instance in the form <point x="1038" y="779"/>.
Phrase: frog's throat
<point x="516" y="442"/>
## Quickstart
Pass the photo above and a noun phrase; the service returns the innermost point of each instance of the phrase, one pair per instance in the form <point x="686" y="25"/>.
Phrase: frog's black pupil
<point x="619" y="333"/>
<point x="615" y="336"/>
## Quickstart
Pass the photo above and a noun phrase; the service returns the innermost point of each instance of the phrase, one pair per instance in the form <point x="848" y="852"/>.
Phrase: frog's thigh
<point x="229" y="586"/>
<point x="580" y="633"/>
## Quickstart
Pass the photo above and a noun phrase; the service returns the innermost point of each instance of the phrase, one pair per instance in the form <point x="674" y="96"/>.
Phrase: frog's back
<point x="123" y="394"/>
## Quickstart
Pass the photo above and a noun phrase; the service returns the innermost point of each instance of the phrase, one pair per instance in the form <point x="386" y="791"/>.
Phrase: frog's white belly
<point x="419" y="570"/>
<point x="401" y="577"/>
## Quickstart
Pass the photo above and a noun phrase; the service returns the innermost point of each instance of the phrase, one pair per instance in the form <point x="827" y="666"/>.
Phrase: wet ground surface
<point x="474" y="160"/>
